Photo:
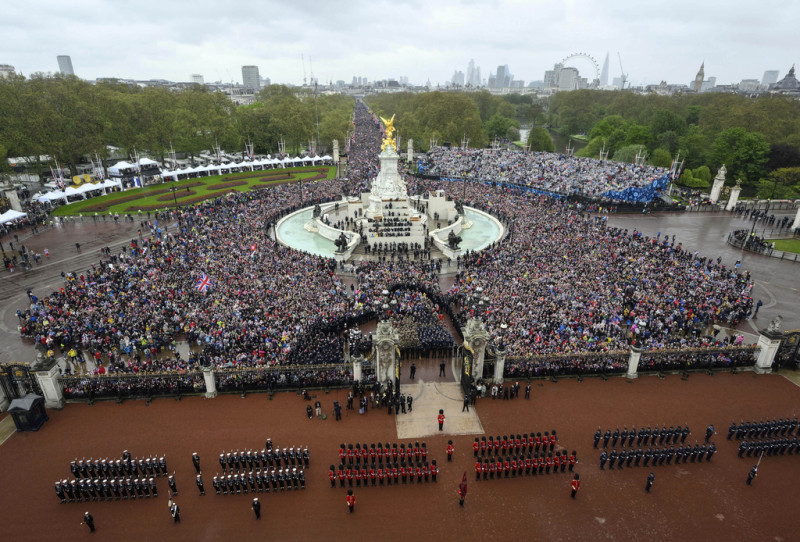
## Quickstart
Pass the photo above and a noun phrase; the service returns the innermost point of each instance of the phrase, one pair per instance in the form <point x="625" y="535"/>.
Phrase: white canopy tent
<point x="11" y="215"/>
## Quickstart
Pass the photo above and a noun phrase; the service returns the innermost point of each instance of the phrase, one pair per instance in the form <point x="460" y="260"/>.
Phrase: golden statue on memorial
<point x="388" y="138"/>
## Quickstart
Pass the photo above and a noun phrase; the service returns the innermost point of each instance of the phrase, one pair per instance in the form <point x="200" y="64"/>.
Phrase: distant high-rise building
<point x="198" y="79"/>
<point x="250" y="77"/>
<point x="770" y="78"/>
<point x="503" y="77"/>
<point x="458" y="79"/>
<point x="698" y="80"/>
<point x="604" y="73"/>
<point x="6" y="70"/>
<point x="65" y="65"/>
<point x="473" y="74"/>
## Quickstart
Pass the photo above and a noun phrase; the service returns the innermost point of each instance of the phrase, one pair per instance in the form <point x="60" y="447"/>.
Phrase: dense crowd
<point x="560" y="283"/>
<point x="541" y="170"/>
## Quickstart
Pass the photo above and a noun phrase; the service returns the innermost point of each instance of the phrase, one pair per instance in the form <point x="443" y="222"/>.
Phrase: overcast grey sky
<point x="377" y="39"/>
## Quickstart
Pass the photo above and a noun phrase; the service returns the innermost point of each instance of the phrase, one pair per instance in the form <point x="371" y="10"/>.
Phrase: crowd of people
<point x="561" y="282"/>
<point x="545" y="171"/>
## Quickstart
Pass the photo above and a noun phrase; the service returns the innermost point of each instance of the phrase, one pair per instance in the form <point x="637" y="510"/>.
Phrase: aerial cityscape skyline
<point x="291" y="44"/>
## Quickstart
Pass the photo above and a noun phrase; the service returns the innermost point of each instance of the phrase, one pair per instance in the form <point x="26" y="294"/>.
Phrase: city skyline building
<point x="770" y="78"/>
<point x="458" y="79"/>
<point x="604" y="73"/>
<point x="250" y="77"/>
<point x="65" y="65"/>
<point x="198" y="79"/>
<point x="6" y="70"/>
<point x="698" y="79"/>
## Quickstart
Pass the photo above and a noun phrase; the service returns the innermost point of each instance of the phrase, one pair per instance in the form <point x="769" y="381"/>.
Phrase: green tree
<point x="539" y="140"/>
<point x="628" y="153"/>
<point x="661" y="158"/>
<point x="745" y="154"/>
<point x="498" y="126"/>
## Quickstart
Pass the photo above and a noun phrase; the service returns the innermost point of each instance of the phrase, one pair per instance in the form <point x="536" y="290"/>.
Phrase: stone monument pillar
<point x="734" y="196"/>
<point x="47" y="375"/>
<point x="499" y="366"/>
<point x="410" y="154"/>
<point x="357" y="364"/>
<point x="769" y="340"/>
<point x="335" y="151"/>
<point x="476" y="337"/>
<point x="719" y="182"/>
<point x="796" y="223"/>
<point x="211" y="382"/>
<point x="13" y="199"/>
<point x="633" y="362"/>
<point x="385" y="341"/>
<point x="4" y="402"/>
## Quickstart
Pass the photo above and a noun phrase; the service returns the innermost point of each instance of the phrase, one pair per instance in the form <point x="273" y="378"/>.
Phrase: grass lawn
<point x="786" y="245"/>
<point x="191" y="191"/>
<point x="580" y="137"/>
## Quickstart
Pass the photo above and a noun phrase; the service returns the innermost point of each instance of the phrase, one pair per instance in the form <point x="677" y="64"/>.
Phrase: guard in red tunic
<point x="332" y="477"/>
<point x="535" y="463"/>
<point x="478" y="467"/>
<point x="381" y="474"/>
<point x="425" y="471"/>
<point x="538" y="441"/>
<point x="499" y="467"/>
<point x="483" y="446"/>
<point x="403" y="474"/>
<point x="475" y="447"/>
<point x="372" y="454"/>
<point x="556" y="463"/>
<point x="423" y="451"/>
<point x="418" y="471"/>
<point x="576" y="484"/>
<point x="528" y="464"/>
<point x="342" y="453"/>
<point x="492" y="469"/>
<point x="372" y="475"/>
<point x="504" y="444"/>
<point x="349" y="474"/>
<point x="396" y="474"/>
<point x="507" y="467"/>
<point x="553" y="440"/>
<point x="351" y="501"/>
<point x="514" y="467"/>
<point x="564" y="461"/>
<point x="340" y="475"/>
<point x="497" y="445"/>
<point x="548" y="462"/>
<point x="434" y="470"/>
<point x="572" y="460"/>
<point x="450" y="449"/>
<point x="357" y="476"/>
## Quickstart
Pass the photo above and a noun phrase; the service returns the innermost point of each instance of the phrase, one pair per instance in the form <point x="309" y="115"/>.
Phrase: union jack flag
<point x="204" y="283"/>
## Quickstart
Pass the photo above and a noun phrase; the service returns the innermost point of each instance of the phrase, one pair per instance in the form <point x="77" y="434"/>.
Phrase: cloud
<point x="386" y="39"/>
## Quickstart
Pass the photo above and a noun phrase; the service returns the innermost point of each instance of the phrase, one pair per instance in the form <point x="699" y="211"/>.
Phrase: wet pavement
<point x="777" y="282"/>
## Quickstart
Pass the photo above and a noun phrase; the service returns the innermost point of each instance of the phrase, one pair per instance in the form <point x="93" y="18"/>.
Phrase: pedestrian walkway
<point x="429" y="398"/>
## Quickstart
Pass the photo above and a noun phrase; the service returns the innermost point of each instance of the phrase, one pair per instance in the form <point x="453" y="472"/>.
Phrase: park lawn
<point x="160" y="195"/>
<point x="786" y="245"/>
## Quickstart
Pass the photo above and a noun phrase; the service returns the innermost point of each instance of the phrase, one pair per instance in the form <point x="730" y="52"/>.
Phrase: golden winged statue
<point x="388" y="138"/>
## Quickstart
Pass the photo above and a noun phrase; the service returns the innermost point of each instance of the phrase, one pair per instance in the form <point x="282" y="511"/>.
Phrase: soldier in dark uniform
<point x="752" y="474"/>
<point x="88" y="520"/>
<point x="172" y="486"/>
<point x="647" y="455"/>
<point x="606" y="438"/>
<point x="650" y="479"/>
<point x="639" y="455"/>
<point x="631" y="436"/>
<point x="623" y="456"/>
<point x="256" y="508"/>
<point x="199" y="483"/>
<point x="712" y="449"/>
<point x="731" y="430"/>
<point x="60" y="493"/>
<point x="612" y="458"/>
<point x="685" y="433"/>
<point x="709" y="433"/>
<point x="603" y="459"/>
<point x="615" y="438"/>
